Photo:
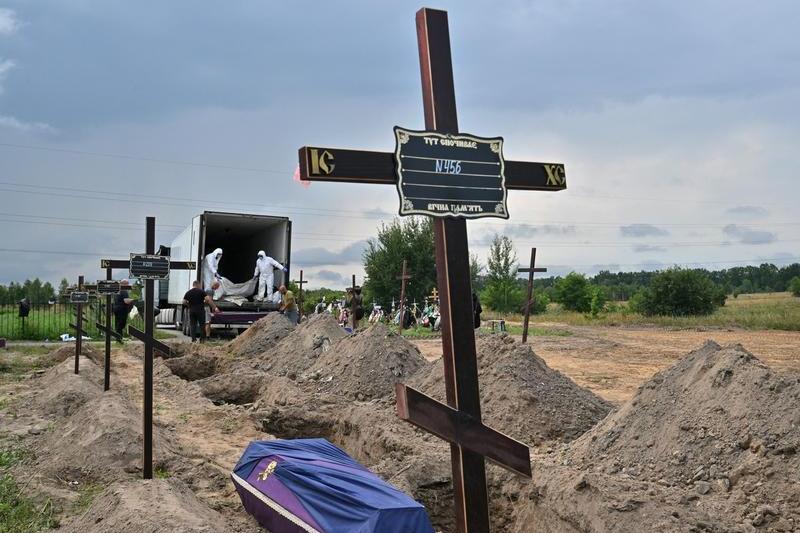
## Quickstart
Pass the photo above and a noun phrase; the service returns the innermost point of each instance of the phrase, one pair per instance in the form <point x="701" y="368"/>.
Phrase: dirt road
<point x="614" y="361"/>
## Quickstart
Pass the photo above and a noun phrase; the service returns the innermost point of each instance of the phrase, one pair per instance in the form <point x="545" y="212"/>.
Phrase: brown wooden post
<point x="529" y="300"/>
<point x="403" y="277"/>
<point x="79" y="328"/>
<point x="107" y="359"/>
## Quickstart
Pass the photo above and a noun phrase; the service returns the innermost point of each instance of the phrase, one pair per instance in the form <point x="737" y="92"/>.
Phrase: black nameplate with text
<point x="79" y="297"/>
<point x="446" y="175"/>
<point x="145" y="266"/>
<point x="105" y="286"/>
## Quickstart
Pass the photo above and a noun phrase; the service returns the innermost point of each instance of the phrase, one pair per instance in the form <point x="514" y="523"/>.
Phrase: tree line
<point x="500" y="288"/>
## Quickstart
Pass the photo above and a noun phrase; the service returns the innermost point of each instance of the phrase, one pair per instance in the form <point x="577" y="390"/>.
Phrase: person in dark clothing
<point x="195" y="300"/>
<point x="476" y="311"/>
<point x="122" y="306"/>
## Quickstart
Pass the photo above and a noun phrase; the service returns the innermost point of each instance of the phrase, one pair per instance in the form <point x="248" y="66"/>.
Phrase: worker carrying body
<point x="211" y="267"/>
<point x="265" y="267"/>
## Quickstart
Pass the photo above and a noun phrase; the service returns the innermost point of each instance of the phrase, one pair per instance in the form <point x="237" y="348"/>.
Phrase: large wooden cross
<point x="143" y="263"/>
<point x="458" y="422"/>
<point x="403" y="277"/>
<point x="529" y="301"/>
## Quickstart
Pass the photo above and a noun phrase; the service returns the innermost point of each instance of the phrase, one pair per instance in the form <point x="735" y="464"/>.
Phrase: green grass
<point x="534" y="331"/>
<point x="161" y="473"/>
<point x="19" y="514"/>
<point x="779" y="311"/>
<point x="87" y="495"/>
<point x="16" y="364"/>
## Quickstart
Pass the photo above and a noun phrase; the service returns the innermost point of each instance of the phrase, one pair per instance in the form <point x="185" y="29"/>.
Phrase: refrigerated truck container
<point x="240" y="236"/>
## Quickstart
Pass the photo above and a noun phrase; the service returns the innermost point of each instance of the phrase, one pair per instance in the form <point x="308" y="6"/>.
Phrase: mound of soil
<point x="67" y="351"/>
<point x="365" y="365"/>
<point x="61" y="392"/>
<point x="263" y="335"/>
<point x="101" y="440"/>
<point x="523" y="397"/>
<point x="152" y="506"/>
<point x="718" y="422"/>
<point x="299" y="350"/>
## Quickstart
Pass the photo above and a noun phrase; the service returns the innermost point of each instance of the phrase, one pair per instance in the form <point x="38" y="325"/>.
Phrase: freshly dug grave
<point x="699" y="448"/>
<point x="194" y="366"/>
<point x="365" y="365"/>
<point x="719" y="424"/>
<point x="299" y="350"/>
<point x="523" y="397"/>
<point x="61" y="392"/>
<point x="101" y="440"/>
<point x="67" y="352"/>
<point x="152" y="506"/>
<point x="262" y="335"/>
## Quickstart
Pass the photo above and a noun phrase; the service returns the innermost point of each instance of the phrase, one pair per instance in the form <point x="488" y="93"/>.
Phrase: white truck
<point x="240" y="236"/>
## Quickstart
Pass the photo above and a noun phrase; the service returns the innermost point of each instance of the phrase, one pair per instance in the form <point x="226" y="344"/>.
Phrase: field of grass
<point x="19" y="514"/>
<point x="779" y="310"/>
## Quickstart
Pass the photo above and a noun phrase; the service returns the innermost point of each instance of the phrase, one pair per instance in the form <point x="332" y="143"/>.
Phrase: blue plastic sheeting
<point x="340" y="494"/>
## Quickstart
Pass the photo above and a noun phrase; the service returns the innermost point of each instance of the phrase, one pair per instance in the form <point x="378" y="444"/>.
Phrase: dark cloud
<point x="642" y="230"/>
<point x="319" y="256"/>
<point x="746" y="235"/>
<point x="526" y="231"/>
<point x="747" y="210"/>
<point x="641" y="248"/>
<point x="329" y="277"/>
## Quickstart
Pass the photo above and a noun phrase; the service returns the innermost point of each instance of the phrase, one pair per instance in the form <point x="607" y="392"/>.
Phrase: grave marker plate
<point x="146" y="266"/>
<point x="107" y="286"/>
<point x="79" y="297"/>
<point x="450" y="175"/>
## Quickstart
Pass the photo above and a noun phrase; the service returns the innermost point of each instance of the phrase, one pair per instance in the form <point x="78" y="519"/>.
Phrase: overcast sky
<point x="677" y="122"/>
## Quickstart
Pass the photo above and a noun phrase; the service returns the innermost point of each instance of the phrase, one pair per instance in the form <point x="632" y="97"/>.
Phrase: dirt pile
<point x="101" y="440"/>
<point x="67" y="351"/>
<point x="523" y="397"/>
<point x="152" y="506"/>
<point x="299" y="350"/>
<point x="61" y="392"/>
<point x="720" y="423"/>
<point x="263" y="335"/>
<point x="365" y="365"/>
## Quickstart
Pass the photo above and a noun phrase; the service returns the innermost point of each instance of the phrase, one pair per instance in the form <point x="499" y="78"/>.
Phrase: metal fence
<point x="48" y="321"/>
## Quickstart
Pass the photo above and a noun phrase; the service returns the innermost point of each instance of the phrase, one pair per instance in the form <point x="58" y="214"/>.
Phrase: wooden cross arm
<point x="111" y="331"/>
<point x="157" y="345"/>
<point x="460" y="428"/>
<point x="126" y="263"/>
<point x="361" y="166"/>
<point x="537" y="269"/>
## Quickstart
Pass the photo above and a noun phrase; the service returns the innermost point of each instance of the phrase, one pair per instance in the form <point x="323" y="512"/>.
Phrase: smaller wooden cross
<point x="78" y="325"/>
<point x="149" y="267"/>
<point x="434" y="297"/>
<point x="530" y="270"/>
<point x="300" y="296"/>
<point x="403" y="277"/>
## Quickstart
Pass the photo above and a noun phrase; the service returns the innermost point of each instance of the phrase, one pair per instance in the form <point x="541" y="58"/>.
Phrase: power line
<point x="141" y="158"/>
<point x="125" y="197"/>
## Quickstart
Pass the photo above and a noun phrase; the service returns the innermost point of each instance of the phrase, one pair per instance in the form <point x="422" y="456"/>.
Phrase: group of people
<point x="264" y="272"/>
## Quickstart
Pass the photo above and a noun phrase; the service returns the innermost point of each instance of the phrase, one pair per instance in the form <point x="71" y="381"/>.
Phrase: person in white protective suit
<point x="265" y="267"/>
<point x="210" y="268"/>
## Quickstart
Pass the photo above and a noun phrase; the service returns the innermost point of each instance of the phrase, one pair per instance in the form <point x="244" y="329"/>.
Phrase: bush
<point x="599" y="299"/>
<point x="574" y="293"/>
<point x="794" y="285"/>
<point x="539" y="305"/>
<point x="680" y="292"/>
<point x="503" y="296"/>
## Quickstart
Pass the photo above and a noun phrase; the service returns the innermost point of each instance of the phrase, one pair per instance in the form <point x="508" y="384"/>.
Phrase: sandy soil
<point x="613" y="362"/>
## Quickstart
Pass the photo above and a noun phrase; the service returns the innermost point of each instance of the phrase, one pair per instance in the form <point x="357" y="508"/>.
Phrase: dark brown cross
<point x="109" y="332"/>
<point x="529" y="301"/>
<point x="403" y="277"/>
<point x="300" y="296"/>
<point x="147" y="338"/>
<point x="458" y="422"/>
<point x="78" y="327"/>
<point x="353" y="319"/>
